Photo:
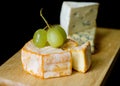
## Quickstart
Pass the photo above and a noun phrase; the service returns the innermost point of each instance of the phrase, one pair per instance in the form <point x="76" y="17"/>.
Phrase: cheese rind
<point x="49" y="62"/>
<point x="46" y="62"/>
<point x="81" y="57"/>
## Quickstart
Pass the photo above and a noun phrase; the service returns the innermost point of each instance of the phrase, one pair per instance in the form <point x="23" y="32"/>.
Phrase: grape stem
<point x="44" y="18"/>
<point x="45" y="27"/>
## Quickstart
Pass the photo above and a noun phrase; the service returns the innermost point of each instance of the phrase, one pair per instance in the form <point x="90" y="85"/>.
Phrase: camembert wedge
<point x="81" y="55"/>
<point x="46" y="62"/>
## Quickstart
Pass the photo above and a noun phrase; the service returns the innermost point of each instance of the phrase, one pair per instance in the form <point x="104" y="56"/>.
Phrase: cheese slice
<point x="81" y="57"/>
<point x="46" y="62"/>
<point x="78" y="16"/>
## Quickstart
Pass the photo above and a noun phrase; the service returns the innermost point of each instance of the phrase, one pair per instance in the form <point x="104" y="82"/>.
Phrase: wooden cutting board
<point x="107" y="46"/>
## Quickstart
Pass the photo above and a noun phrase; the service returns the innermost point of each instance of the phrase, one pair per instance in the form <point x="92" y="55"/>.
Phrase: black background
<point x="20" y="19"/>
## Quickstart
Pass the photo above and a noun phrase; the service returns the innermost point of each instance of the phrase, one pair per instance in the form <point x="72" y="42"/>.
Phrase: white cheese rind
<point x="81" y="57"/>
<point x="46" y="62"/>
<point x="78" y="16"/>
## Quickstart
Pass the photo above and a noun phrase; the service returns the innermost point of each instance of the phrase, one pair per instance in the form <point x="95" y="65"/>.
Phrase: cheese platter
<point x="107" y="45"/>
<point x="74" y="52"/>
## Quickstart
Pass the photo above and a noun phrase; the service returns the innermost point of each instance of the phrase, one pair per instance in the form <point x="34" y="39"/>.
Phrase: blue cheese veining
<point x="78" y="16"/>
<point x="85" y="36"/>
<point x="79" y="21"/>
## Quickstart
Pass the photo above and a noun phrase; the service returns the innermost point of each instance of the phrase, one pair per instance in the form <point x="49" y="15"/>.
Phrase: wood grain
<point x="107" y="45"/>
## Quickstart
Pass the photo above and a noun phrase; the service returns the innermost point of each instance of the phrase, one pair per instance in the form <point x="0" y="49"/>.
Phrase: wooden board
<point x="107" y="46"/>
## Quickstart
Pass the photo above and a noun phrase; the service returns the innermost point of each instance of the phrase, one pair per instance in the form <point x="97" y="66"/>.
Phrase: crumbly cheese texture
<point x="78" y="16"/>
<point x="79" y="21"/>
<point x="46" y="62"/>
<point x="85" y="36"/>
<point x="81" y="57"/>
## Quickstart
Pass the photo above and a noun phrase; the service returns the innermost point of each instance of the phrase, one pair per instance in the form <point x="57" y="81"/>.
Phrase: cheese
<point x="85" y="36"/>
<point x="49" y="62"/>
<point x="79" y="21"/>
<point x="46" y="62"/>
<point x="81" y="57"/>
<point x="69" y="44"/>
<point x="78" y="16"/>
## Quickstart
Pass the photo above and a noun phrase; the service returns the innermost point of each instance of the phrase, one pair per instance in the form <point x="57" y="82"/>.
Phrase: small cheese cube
<point x="46" y="62"/>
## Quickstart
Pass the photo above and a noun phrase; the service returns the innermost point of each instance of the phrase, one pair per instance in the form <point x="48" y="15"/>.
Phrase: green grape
<point x="40" y="38"/>
<point x="54" y="37"/>
<point x="62" y="31"/>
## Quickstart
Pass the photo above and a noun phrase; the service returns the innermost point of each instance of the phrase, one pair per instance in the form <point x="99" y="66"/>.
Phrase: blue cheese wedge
<point x="46" y="62"/>
<point x="78" y="16"/>
<point x="79" y="21"/>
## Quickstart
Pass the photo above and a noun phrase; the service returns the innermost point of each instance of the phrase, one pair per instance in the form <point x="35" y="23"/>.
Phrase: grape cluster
<point x="55" y="35"/>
